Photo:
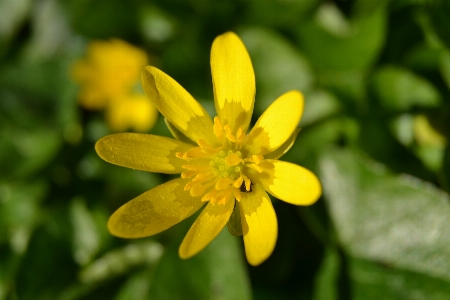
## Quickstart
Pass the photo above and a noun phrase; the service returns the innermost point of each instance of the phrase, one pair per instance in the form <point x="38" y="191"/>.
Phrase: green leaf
<point x="400" y="89"/>
<point x="439" y="12"/>
<point x="333" y="43"/>
<point x="374" y="281"/>
<point x="444" y="67"/>
<point x="326" y="283"/>
<point x="103" y="20"/>
<point x="24" y="152"/>
<point x="330" y="131"/>
<point x="20" y="212"/>
<point x="319" y="104"/>
<point x="86" y="238"/>
<point x="278" y="13"/>
<point x="137" y="286"/>
<point x="12" y="15"/>
<point x="279" y="67"/>
<point x="217" y="272"/>
<point x="397" y="220"/>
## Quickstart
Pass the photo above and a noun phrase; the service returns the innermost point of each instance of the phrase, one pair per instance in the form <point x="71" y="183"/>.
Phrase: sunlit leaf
<point x="119" y="261"/>
<point x="374" y="281"/>
<point x="86" y="239"/>
<point x="396" y="220"/>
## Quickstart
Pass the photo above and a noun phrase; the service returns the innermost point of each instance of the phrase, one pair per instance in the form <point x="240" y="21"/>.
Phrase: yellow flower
<point x="131" y="111"/>
<point x="108" y="75"/>
<point x="221" y="165"/>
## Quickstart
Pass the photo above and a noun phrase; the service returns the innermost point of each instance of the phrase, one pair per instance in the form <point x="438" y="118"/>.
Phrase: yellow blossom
<point x="131" y="111"/>
<point x="223" y="166"/>
<point x="107" y="76"/>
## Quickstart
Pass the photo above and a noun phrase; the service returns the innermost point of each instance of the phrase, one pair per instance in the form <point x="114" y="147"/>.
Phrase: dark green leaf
<point x="326" y="285"/>
<point x="399" y="89"/>
<point x="347" y="45"/>
<point x="279" y="67"/>
<point x="218" y="272"/>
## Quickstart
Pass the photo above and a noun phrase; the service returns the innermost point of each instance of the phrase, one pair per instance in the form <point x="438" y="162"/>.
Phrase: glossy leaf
<point x="396" y="220"/>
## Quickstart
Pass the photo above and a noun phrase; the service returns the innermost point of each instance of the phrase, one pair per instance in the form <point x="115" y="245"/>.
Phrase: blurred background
<point x="376" y="79"/>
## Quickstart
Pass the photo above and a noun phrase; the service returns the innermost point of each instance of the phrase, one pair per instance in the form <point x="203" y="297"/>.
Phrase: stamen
<point x="257" y="158"/>
<point x="247" y="183"/>
<point x="218" y="174"/>
<point x="188" y="185"/>
<point x="221" y="197"/>
<point x="218" y="130"/>
<point x="196" y="167"/>
<point x="210" y="195"/>
<point x="188" y="174"/>
<point x="238" y="182"/>
<point x="237" y="194"/>
<point x="223" y="183"/>
<point x="194" y="153"/>
<point x="198" y="189"/>
<point x="233" y="160"/>
<point x="240" y="136"/>
<point x="204" y="176"/>
<point x="229" y="135"/>
<point x="207" y="148"/>
<point x="255" y="167"/>
<point x="217" y="127"/>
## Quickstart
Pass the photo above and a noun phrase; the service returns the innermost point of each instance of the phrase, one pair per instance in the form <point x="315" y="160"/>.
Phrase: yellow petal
<point x="259" y="225"/>
<point x="289" y="182"/>
<point x="154" y="211"/>
<point x="207" y="226"/>
<point x="233" y="81"/>
<point x="283" y="148"/>
<point x="177" y="105"/>
<point x="145" y="152"/>
<point x="176" y="133"/>
<point x="276" y="124"/>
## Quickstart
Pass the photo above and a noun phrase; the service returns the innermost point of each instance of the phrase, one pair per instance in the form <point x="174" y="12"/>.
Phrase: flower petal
<point x="276" y="124"/>
<point x="145" y="152"/>
<point x="207" y="226"/>
<point x="289" y="182"/>
<point x="259" y="225"/>
<point x="177" y="134"/>
<point x="154" y="211"/>
<point x="283" y="148"/>
<point x="177" y="105"/>
<point x="233" y="80"/>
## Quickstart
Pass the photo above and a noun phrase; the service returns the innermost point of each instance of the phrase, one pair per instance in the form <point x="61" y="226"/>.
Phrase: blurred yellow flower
<point x="131" y="111"/>
<point x="220" y="163"/>
<point x="108" y="76"/>
<point x="426" y="135"/>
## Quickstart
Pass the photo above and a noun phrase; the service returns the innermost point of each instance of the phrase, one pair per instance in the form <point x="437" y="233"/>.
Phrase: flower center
<point x="219" y="173"/>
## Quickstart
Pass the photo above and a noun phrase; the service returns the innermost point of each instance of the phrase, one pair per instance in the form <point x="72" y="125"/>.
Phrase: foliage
<point x="376" y="79"/>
